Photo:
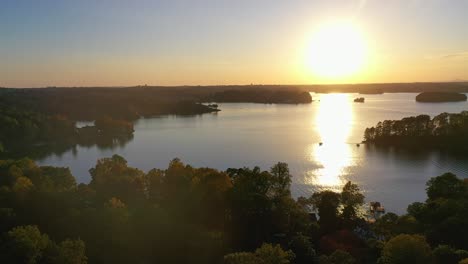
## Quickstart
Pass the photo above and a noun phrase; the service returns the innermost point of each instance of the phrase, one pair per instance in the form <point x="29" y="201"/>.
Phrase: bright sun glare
<point x="334" y="119"/>
<point x="336" y="50"/>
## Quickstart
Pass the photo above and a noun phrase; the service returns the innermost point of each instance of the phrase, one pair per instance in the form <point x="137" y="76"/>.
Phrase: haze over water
<point x="258" y="134"/>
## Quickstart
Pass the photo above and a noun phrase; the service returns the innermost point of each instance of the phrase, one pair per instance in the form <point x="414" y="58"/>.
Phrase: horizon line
<point x="225" y="85"/>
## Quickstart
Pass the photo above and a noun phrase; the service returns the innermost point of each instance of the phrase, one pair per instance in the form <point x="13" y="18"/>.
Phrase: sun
<point x="336" y="50"/>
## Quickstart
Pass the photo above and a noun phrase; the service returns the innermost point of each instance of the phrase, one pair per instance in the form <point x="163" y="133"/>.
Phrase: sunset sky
<point x="119" y="43"/>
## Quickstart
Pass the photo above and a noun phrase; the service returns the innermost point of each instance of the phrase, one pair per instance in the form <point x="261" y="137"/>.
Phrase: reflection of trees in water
<point x="111" y="142"/>
<point x="106" y="141"/>
<point x="40" y="151"/>
<point x="454" y="160"/>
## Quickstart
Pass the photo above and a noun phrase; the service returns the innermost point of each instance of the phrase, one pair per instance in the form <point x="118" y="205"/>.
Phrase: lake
<point x="244" y="134"/>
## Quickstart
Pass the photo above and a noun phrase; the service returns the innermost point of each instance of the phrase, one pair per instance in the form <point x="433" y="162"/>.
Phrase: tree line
<point x="446" y="130"/>
<point x="263" y="96"/>
<point x="36" y="134"/>
<point x="94" y="103"/>
<point x="184" y="214"/>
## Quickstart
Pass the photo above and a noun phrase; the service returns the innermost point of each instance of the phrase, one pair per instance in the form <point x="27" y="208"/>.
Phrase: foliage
<point x="113" y="178"/>
<point x="241" y="258"/>
<point x="327" y="204"/>
<point x="444" y="131"/>
<point x="108" y="125"/>
<point x="445" y="254"/>
<point x="390" y="224"/>
<point x="351" y="199"/>
<point x="125" y="215"/>
<point x="265" y="96"/>
<point x="406" y="249"/>
<point x="303" y="248"/>
<point x="261" y="205"/>
<point x="24" y="244"/>
<point x="266" y="254"/>
<point x="444" y="215"/>
<point x="445" y="186"/>
<point x="337" y="257"/>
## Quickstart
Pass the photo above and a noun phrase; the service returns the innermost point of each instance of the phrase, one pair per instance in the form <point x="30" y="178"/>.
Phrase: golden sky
<point x="120" y="43"/>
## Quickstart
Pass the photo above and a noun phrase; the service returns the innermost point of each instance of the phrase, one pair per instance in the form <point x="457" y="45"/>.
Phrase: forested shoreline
<point x="262" y="96"/>
<point x="34" y="134"/>
<point x="242" y="215"/>
<point x="95" y="103"/>
<point x="131" y="103"/>
<point x="445" y="131"/>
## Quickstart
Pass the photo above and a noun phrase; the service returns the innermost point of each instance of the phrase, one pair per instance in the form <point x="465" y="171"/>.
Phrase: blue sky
<point x="85" y="43"/>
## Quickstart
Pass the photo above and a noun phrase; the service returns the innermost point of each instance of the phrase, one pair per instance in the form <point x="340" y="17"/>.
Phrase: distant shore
<point x="363" y="88"/>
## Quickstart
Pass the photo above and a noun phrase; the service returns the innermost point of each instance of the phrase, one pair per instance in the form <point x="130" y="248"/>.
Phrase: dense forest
<point x="183" y="214"/>
<point x="449" y="131"/>
<point x="94" y="103"/>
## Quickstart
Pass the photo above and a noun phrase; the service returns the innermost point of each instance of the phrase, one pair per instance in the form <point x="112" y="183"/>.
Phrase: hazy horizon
<point x="235" y="84"/>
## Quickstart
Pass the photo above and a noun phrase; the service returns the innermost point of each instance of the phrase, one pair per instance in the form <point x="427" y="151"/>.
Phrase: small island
<point x="359" y="100"/>
<point x="439" y="97"/>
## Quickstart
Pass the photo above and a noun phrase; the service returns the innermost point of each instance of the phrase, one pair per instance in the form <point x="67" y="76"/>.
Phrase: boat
<point x="359" y="100"/>
<point x="320" y="144"/>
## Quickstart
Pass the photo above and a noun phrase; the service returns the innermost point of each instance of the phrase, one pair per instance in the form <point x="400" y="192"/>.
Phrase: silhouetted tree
<point x="327" y="204"/>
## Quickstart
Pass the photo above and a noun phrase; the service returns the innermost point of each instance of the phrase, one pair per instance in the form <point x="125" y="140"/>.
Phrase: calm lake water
<point x="261" y="135"/>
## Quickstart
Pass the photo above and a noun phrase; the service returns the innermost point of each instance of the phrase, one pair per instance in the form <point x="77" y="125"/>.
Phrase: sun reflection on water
<point x="333" y="123"/>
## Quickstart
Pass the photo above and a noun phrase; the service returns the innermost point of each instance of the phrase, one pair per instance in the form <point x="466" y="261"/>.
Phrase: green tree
<point x="444" y="215"/>
<point x="266" y="254"/>
<point x="22" y="185"/>
<point x="71" y="252"/>
<point x="352" y="199"/>
<point x="281" y="180"/>
<point x="274" y="254"/>
<point x="25" y="244"/>
<point x="303" y="249"/>
<point x="154" y="181"/>
<point x="404" y="249"/>
<point x="445" y="186"/>
<point x="327" y="204"/>
<point x="111" y="177"/>
<point x="55" y="179"/>
<point x="444" y="254"/>
<point x="337" y="257"/>
<point x="386" y="225"/>
<point x="241" y="258"/>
